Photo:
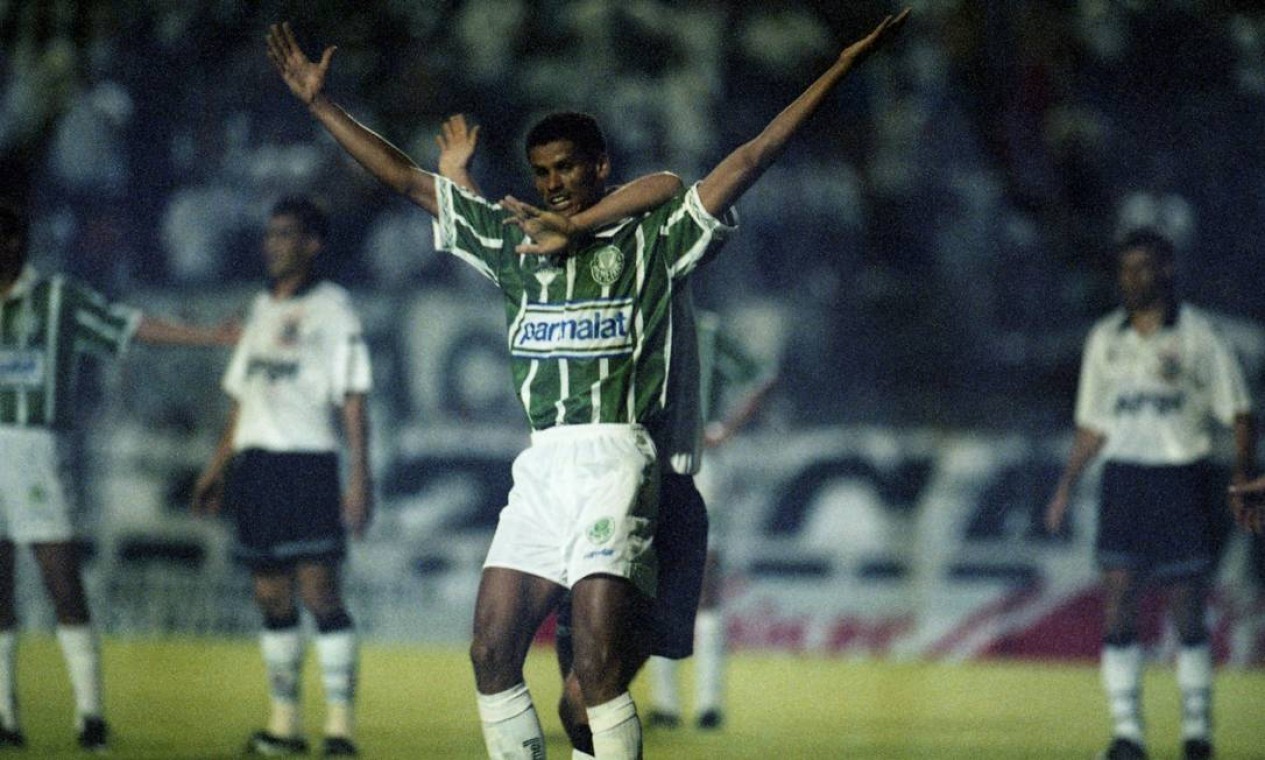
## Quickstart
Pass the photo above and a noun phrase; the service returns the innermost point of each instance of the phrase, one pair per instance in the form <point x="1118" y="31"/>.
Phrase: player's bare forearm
<point x="306" y="80"/>
<point x="741" y="168"/>
<point x="1085" y="446"/>
<point x="390" y="165"/>
<point x="208" y="490"/>
<point x="1244" y="446"/>
<point x="550" y="233"/>
<point x="161" y="332"/>
<point x="635" y="197"/>
<point x="358" y="496"/>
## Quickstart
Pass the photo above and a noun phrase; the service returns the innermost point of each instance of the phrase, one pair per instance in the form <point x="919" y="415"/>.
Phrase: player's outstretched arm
<point x="162" y="332"/>
<point x="306" y="80"/>
<point x="740" y="169"/>
<point x="550" y="233"/>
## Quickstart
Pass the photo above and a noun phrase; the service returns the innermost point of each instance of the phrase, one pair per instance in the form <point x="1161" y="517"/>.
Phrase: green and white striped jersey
<point x="46" y="324"/>
<point x="589" y="335"/>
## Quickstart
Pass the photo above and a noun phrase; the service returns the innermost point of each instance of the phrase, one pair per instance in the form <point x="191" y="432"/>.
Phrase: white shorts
<point x="35" y="503"/>
<point x="584" y="502"/>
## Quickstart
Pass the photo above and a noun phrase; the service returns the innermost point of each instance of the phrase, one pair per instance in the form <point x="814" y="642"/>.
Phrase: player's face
<point x="288" y="250"/>
<point x="567" y="180"/>
<point x="1142" y="279"/>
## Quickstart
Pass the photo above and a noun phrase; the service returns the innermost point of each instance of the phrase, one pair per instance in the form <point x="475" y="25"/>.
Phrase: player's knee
<point x="598" y="668"/>
<point x="493" y="661"/>
<point x="282" y="620"/>
<point x="275" y="606"/>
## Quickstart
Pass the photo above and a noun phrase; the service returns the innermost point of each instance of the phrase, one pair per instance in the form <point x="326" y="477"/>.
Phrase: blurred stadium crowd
<point x="940" y="234"/>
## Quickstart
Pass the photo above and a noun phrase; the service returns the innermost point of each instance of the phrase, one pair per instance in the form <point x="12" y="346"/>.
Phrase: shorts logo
<point x="601" y="531"/>
<point x="578" y="329"/>
<point x="607" y="266"/>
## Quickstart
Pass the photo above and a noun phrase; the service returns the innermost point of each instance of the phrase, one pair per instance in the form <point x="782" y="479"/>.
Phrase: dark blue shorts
<point x="681" y="544"/>
<point x="1159" y="521"/>
<point x="288" y="508"/>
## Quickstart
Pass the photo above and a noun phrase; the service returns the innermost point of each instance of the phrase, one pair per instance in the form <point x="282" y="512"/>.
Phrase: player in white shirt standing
<point x="1155" y="375"/>
<point x="300" y="364"/>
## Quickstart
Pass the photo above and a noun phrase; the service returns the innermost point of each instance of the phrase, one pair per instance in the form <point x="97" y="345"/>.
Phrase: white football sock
<point x="1121" y="670"/>
<point x="665" y="694"/>
<point x="511" y="728"/>
<point x="9" y="680"/>
<point x="1194" y="679"/>
<point x="709" y="661"/>
<point x="616" y="729"/>
<point x="282" y="650"/>
<point x="82" y="652"/>
<point x="337" y="653"/>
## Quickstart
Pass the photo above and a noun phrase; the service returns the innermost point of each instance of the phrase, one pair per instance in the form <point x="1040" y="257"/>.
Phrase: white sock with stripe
<point x="665" y="694"/>
<point x="82" y="652"/>
<point x="616" y="729"/>
<point x="511" y="728"/>
<point x="1194" y="679"/>
<point x="9" y="680"/>
<point x="282" y="650"/>
<point x="1121" y="670"/>
<point x="337" y="653"/>
<point x="709" y="661"/>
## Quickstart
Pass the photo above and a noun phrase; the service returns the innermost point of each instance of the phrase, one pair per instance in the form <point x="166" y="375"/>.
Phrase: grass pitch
<point x="198" y="699"/>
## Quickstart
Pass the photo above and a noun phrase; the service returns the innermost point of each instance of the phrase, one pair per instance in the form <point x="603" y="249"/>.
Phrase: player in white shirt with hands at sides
<point x="588" y="336"/>
<point x="1155" y="377"/>
<point x="301" y="364"/>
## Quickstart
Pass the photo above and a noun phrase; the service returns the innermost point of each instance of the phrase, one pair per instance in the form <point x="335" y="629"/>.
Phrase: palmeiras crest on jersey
<point x="607" y="265"/>
<point x="601" y="531"/>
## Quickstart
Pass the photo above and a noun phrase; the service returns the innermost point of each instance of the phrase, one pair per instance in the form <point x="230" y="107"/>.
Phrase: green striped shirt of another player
<point x="46" y="324"/>
<point x="588" y="335"/>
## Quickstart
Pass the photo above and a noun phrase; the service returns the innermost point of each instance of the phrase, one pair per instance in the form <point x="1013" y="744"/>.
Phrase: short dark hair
<point x="312" y="218"/>
<point x="580" y="128"/>
<point x="1150" y="240"/>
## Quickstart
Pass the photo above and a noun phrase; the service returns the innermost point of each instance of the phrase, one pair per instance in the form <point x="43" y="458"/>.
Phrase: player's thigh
<point x="609" y="626"/>
<point x="508" y="609"/>
<point x="58" y="562"/>
<point x="274" y="587"/>
<point x="320" y="585"/>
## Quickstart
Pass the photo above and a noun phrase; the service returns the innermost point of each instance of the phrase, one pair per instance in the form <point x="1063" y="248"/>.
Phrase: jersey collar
<point x="1171" y="315"/>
